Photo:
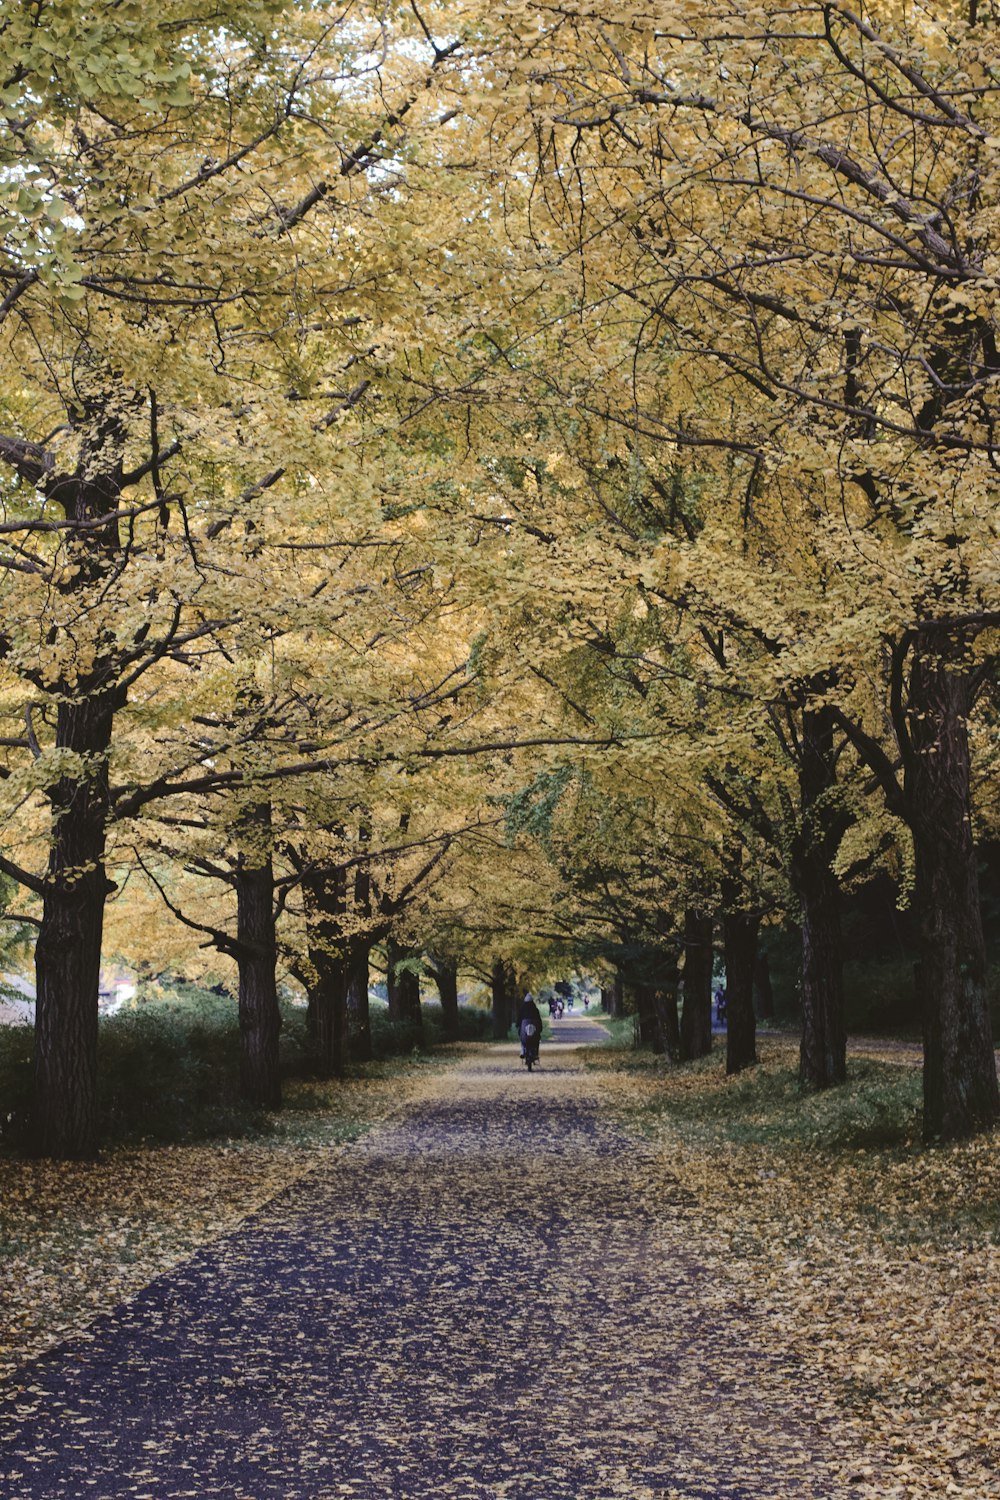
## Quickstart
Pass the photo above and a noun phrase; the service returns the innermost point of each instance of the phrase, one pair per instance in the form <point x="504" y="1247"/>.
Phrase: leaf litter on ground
<point x="873" y="1259"/>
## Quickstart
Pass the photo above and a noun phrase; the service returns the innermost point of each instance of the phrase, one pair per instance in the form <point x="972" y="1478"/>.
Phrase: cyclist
<point x="529" y="1015"/>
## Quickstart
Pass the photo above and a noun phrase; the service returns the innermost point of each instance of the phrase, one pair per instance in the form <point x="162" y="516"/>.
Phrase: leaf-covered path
<point x="492" y="1296"/>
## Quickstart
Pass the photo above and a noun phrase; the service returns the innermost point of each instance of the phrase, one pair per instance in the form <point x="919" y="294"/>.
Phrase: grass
<point x="870" y="1260"/>
<point x="168" y="1070"/>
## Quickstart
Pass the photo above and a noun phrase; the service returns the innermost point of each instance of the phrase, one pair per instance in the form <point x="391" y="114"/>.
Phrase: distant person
<point x="720" y="1004"/>
<point x="529" y="1015"/>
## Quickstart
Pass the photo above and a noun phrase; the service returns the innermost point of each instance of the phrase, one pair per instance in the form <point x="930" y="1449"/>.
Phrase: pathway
<point x="491" y="1297"/>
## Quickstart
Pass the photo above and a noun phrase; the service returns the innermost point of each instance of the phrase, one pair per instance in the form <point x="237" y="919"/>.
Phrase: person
<point x="720" y="1004"/>
<point x="529" y="1014"/>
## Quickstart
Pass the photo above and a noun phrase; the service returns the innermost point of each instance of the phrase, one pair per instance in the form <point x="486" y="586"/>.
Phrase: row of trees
<point x="516" y="489"/>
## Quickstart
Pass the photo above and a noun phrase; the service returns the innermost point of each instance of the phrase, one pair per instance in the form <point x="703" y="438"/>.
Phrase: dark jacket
<point x="529" y="1012"/>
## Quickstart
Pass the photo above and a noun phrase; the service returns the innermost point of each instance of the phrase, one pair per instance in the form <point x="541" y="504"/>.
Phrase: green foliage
<point x="397" y="1038"/>
<point x="879" y="1106"/>
<point x="169" y="1069"/>
<point x="531" y="810"/>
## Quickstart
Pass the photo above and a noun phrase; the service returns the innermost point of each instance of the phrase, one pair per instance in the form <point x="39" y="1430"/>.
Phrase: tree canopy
<point x="510" y="487"/>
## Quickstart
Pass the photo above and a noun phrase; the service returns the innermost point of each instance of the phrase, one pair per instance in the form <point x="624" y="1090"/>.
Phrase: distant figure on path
<point x="529" y="1014"/>
<point x="720" y="1004"/>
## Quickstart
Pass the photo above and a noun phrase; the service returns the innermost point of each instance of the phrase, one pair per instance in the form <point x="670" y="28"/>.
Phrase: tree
<point x="812" y="327"/>
<point x="180" y="328"/>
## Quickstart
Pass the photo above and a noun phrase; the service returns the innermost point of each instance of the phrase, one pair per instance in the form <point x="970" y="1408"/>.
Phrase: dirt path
<point x="493" y="1297"/>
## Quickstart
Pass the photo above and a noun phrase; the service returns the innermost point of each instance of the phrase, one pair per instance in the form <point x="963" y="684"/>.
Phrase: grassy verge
<point x="620" y="1029"/>
<point x="185" y="1159"/>
<point x="871" y="1260"/>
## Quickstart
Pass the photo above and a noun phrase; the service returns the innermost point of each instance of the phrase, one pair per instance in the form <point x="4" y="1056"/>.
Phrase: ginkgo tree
<point x="191" y="252"/>
<point x="771" y="238"/>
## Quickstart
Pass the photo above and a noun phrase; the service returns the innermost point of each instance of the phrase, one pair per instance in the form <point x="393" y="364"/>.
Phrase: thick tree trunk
<point x="501" y="1000"/>
<point x="513" y="992"/>
<point x="665" y="1004"/>
<point x="740" y="933"/>
<point x="260" y="1018"/>
<point x="68" y="951"/>
<point x="607" y="999"/>
<point x="618" y="996"/>
<point x="763" y="990"/>
<point x="393" y="980"/>
<point x="359" y="1019"/>
<point x="359" y="951"/>
<point x="960" y="1081"/>
<point x="696" y="1015"/>
<point x="402" y="984"/>
<point x="410" y="996"/>
<point x="650" y="1031"/>
<point x="823" y="1048"/>
<point x="445" y="973"/>
<point x="325" y="892"/>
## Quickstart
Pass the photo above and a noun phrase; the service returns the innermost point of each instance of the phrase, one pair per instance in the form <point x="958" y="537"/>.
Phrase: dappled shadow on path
<point x="490" y="1298"/>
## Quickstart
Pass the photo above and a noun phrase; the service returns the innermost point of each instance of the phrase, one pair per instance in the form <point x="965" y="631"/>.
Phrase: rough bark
<point x="960" y="1081"/>
<point x="696" y="1015"/>
<point x="359" y="1018"/>
<point x="513" y="993"/>
<point x="665" y="1005"/>
<point x="650" y="1030"/>
<point x="260" y="1018"/>
<point x="740" y="935"/>
<point x="68" y="951"/>
<point x="325" y="892"/>
<point x="823" y="1048"/>
<point x="445" y="972"/>
<point x="763" y="989"/>
<point x="393" y="979"/>
<point x="409" y="990"/>
<point x="501" y="1000"/>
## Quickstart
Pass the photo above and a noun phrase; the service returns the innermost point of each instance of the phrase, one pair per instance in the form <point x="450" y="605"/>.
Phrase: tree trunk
<point x="960" y="1080"/>
<point x="650" y="1031"/>
<point x="607" y="999"/>
<point x="357" y="1001"/>
<point x="762" y="988"/>
<point x="358" y="956"/>
<point x="696" y="1016"/>
<point x="260" y="1018"/>
<point x="393" y="981"/>
<point x="68" y="951"/>
<point x="402" y="984"/>
<point x="618" y="996"/>
<point x="410" y="995"/>
<point x="325" y="892"/>
<point x="823" y="1048"/>
<point x="501" y="1003"/>
<point x="740" y="934"/>
<point x="665" y="1004"/>
<point x="445" y="973"/>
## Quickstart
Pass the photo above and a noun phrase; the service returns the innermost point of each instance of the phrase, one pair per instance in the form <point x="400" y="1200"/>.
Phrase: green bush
<point x="397" y="1038"/>
<point x="168" y="1070"/>
<point x="15" y="1080"/>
